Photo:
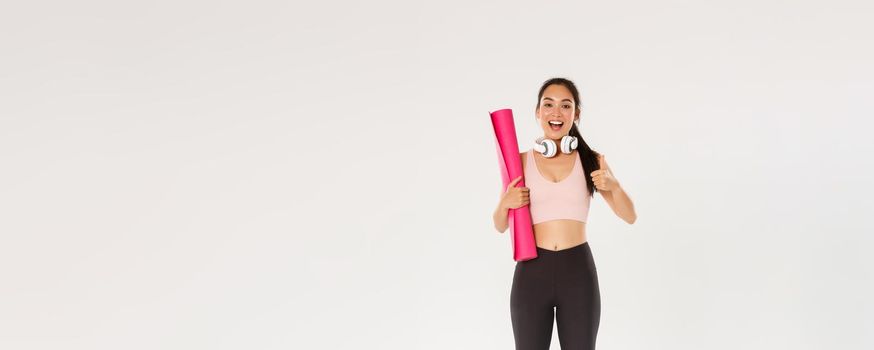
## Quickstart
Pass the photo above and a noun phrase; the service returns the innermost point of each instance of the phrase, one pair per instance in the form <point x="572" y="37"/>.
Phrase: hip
<point x="574" y="261"/>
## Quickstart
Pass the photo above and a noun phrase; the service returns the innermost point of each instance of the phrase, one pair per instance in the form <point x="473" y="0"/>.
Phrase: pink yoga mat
<point x="521" y="230"/>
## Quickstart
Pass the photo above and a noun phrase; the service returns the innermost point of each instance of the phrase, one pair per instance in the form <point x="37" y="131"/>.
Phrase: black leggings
<point x="566" y="280"/>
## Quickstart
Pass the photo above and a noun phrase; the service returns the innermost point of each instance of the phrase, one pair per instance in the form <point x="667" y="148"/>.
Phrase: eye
<point x="566" y="106"/>
<point x="547" y="104"/>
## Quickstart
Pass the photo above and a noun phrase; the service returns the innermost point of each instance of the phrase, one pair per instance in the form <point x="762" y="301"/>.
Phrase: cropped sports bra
<point x="566" y="199"/>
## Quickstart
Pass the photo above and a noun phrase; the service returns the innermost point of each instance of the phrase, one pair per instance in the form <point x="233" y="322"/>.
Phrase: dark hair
<point x="588" y="157"/>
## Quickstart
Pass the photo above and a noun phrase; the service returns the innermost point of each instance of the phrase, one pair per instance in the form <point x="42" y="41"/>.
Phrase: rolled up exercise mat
<point x="521" y="230"/>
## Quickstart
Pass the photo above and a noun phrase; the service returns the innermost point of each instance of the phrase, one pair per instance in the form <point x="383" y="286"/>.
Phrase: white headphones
<point x="547" y="147"/>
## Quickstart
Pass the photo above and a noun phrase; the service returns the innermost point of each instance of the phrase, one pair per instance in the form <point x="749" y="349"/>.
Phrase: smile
<point x="555" y="125"/>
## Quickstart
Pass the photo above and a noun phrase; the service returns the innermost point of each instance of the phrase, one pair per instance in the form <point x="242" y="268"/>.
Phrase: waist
<point x="559" y="234"/>
<point x="570" y="250"/>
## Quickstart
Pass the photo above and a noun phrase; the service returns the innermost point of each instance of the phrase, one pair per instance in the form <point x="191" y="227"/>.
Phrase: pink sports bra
<point x="566" y="199"/>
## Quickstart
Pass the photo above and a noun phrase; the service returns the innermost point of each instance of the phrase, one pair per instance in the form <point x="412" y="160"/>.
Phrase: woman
<point x="563" y="278"/>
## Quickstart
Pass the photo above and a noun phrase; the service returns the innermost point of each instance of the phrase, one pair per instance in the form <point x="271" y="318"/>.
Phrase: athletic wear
<point x="566" y="280"/>
<point x="566" y="199"/>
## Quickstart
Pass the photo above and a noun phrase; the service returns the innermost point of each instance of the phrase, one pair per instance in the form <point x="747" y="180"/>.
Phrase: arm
<point x="614" y="194"/>
<point x="620" y="203"/>
<point x="501" y="213"/>
<point x="500" y="218"/>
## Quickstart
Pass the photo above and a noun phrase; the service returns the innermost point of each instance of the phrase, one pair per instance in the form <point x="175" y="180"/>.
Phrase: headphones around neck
<point x="547" y="147"/>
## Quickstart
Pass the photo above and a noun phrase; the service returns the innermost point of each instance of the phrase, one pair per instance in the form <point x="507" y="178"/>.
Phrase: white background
<point x="322" y="175"/>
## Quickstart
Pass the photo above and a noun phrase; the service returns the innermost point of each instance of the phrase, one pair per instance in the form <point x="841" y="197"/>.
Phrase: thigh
<point x="578" y="303"/>
<point x="531" y="307"/>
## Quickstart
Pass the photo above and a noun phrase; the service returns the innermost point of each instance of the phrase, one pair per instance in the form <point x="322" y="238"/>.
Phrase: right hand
<point x="514" y="197"/>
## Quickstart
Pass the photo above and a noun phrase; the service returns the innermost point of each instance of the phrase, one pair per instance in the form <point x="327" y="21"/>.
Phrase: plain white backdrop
<point x="322" y="175"/>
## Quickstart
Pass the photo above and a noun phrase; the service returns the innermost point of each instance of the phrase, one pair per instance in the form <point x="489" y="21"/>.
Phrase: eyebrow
<point x="548" y="98"/>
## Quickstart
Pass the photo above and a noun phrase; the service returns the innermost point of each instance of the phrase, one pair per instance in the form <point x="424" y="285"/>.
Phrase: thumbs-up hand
<point x="603" y="177"/>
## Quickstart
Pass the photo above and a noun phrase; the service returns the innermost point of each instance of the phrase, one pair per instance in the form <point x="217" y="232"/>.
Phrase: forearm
<point x="623" y="206"/>
<point x="501" y="218"/>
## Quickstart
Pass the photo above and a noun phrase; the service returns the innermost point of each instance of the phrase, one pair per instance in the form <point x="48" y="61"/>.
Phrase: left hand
<point x="603" y="178"/>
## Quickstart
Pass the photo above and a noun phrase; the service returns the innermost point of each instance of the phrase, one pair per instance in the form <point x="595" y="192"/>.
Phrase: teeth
<point x="553" y="122"/>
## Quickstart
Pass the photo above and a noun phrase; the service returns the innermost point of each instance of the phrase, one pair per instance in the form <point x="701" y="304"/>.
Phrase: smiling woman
<point x="558" y="103"/>
<point x="562" y="282"/>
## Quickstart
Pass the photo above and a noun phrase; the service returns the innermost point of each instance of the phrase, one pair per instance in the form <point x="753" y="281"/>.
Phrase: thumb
<point x="602" y="163"/>
<point x="514" y="182"/>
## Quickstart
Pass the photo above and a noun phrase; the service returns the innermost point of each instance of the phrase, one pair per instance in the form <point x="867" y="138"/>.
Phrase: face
<point x="556" y="106"/>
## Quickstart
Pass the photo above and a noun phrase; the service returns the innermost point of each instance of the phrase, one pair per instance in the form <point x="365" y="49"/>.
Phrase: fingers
<point x="601" y="184"/>
<point x="521" y="203"/>
<point x="524" y="197"/>
<point x="520" y="190"/>
<point x="598" y="172"/>
<point x="523" y="191"/>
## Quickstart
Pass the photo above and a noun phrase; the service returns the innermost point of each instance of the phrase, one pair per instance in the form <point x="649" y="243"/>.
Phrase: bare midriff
<point x="560" y="234"/>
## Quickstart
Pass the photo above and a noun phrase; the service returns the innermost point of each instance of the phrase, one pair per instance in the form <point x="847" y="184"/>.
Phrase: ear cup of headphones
<point x="568" y="144"/>
<point x="546" y="147"/>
